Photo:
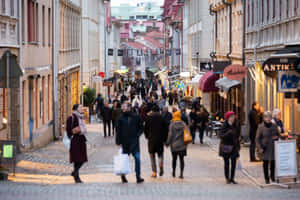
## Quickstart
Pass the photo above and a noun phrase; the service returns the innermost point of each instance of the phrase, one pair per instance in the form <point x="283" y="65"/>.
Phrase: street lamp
<point x="197" y="54"/>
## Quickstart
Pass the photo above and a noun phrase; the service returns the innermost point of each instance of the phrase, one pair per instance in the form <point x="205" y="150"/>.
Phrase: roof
<point x="154" y="42"/>
<point x="155" y="34"/>
<point x="135" y="45"/>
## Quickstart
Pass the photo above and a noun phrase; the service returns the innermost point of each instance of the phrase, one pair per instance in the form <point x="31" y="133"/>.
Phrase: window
<point x="37" y="22"/>
<point x="3" y="30"/>
<point x="32" y="21"/>
<point x="43" y="26"/>
<point x="23" y="22"/>
<point x="268" y="10"/>
<point x="262" y="11"/>
<point x="252" y="12"/>
<point x="280" y="8"/>
<point x="131" y="17"/>
<point x="248" y="14"/>
<point x="3" y="6"/>
<point x="274" y="9"/>
<point x="49" y="95"/>
<point x="296" y="5"/>
<point x="42" y="99"/>
<point x="12" y="8"/>
<point x="49" y="27"/>
<point x="287" y="8"/>
<point x="127" y="26"/>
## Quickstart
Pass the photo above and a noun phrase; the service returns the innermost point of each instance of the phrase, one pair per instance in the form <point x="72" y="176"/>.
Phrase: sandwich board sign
<point x="285" y="158"/>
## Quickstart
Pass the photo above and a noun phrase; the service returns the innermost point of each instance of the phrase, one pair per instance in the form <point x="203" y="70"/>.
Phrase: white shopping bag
<point x="121" y="164"/>
<point x="239" y="165"/>
<point x="67" y="141"/>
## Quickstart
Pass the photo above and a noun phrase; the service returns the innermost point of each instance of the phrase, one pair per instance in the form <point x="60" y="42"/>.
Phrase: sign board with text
<point x="285" y="158"/>
<point x="235" y="72"/>
<point x="288" y="81"/>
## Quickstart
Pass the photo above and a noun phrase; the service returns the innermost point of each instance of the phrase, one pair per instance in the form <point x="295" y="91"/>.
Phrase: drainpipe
<point x="212" y="12"/>
<point x="230" y="28"/>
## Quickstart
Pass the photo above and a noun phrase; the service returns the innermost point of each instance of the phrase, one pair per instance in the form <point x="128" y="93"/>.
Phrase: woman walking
<point x="267" y="134"/>
<point x="176" y="141"/>
<point x="229" y="145"/>
<point x="76" y="130"/>
<point x="116" y="113"/>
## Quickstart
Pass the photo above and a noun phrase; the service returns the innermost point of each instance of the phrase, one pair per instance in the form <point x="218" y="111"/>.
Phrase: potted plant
<point x="89" y="97"/>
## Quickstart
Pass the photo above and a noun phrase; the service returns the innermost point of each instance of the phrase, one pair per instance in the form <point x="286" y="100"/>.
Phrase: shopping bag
<point x="121" y="164"/>
<point x="67" y="141"/>
<point x="187" y="137"/>
<point x="239" y="165"/>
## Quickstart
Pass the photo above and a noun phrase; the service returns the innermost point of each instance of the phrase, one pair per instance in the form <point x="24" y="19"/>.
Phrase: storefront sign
<point x="219" y="66"/>
<point x="235" y="72"/>
<point x="278" y="67"/>
<point x="285" y="157"/>
<point x="288" y="81"/>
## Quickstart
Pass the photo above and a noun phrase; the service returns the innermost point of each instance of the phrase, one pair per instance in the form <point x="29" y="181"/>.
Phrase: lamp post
<point x="197" y="54"/>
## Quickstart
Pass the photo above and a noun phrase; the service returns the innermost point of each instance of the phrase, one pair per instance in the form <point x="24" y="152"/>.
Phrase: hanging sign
<point x="288" y="81"/>
<point x="235" y="72"/>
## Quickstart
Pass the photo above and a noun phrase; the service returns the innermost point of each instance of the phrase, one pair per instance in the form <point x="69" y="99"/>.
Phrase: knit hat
<point x="176" y="116"/>
<point x="229" y="114"/>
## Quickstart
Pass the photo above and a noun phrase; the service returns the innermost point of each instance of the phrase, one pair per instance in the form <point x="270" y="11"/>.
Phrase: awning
<point x="207" y="82"/>
<point x="196" y="79"/>
<point x="152" y="69"/>
<point x="225" y="84"/>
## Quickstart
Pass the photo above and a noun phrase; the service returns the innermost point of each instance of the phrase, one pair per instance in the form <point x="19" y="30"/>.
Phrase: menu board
<point x="285" y="157"/>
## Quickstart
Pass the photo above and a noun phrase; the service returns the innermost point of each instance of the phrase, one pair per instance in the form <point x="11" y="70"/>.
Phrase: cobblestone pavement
<point x="44" y="174"/>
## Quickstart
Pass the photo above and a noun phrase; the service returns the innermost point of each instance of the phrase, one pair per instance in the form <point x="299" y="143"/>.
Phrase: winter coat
<point x="175" y="136"/>
<point x="202" y="120"/>
<point x="185" y="118"/>
<point x="107" y="114"/>
<point x="253" y="118"/>
<point x="143" y="112"/>
<point x="167" y="117"/>
<point x="78" y="150"/>
<point x="265" y="140"/>
<point x="156" y="132"/>
<point x="230" y="135"/>
<point x="129" y="129"/>
<point x="116" y="113"/>
<point x="193" y="118"/>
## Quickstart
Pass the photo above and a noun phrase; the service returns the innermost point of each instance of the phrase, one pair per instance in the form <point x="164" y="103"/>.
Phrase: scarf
<point x="81" y="122"/>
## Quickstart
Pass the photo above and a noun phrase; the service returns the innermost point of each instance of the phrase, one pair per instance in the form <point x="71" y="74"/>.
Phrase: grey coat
<point x="265" y="138"/>
<point x="175" y="136"/>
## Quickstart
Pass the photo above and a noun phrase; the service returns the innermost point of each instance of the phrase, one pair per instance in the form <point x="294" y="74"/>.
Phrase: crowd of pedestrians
<point x="132" y="115"/>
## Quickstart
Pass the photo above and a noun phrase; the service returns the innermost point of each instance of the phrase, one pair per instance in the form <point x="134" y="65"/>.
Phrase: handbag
<point x="227" y="149"/>
<point x="66" y="140"/>
<point x="121" y="164"/>
<point x="187" y="137"/>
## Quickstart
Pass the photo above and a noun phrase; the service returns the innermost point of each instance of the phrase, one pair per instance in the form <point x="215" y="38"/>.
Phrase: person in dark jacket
<point x="129" y="130"/>
<point x="76" y="130"/>
<point x="193" y="123"/>
<point x="176" y="142"/>
<point x="107" y="117"/>
<point x="202" y="122"/>
<point x="99" y="104"/>
<point x="123" y="98"/>
<point x="253" y="118"/>
<point x="267" y="134"/>
<point x="171" y="99"/>
<point x="116" y="113"/>
<point x="184" y="116"/>
<point x="167" y="117"/>
<point x="230" y="145"/>
<point x="156" y="132"/>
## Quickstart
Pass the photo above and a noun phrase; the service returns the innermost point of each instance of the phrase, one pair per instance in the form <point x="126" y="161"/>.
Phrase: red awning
<point x="207" y="82"/>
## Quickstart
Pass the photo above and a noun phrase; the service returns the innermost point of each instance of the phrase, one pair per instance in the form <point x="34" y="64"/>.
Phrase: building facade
<point x="272" y="31"/>
<point x="36" y="56"/>
<point x="69" y="59"/>
<point x="10" y="41"/>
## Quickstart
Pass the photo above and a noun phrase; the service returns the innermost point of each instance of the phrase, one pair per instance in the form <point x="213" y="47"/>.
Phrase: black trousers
<point x="227" y="167"/>
<point x="114" y="124"/>
<point x="106" y="123"/>
<point x="77" y="166"/>
<point x="174" y="161"/>
<point x="252" y="149"/>
<point x="266" y="166"/>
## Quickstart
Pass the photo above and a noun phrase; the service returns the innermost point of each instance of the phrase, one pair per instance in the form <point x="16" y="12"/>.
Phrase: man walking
<point x="253" y="118"/>
<point x="129" y="130"/>
<point x="100" y="104"/>
<point x="157" y="133"/>
<point x="107" y="117"/>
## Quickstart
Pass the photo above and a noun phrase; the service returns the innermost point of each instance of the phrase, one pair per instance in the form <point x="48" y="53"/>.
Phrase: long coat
<point x="156" y="132"/>
<point x="175" y="136"/>
<point x="129" y="129"/>
<point x="265" y="140"/>
<point x="78" y="151"/>
<point x="230" y="135"/>
<point x="253" y="118"/>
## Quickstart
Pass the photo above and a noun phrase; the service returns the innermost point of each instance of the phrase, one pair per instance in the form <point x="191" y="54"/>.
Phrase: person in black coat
<point x="202" y="121"/>
<point x="193" y="123"/>
<point x="156" y="132"/>
<point x="184" y="116"/>
<point x="107" y="117"/>
<point x="230" y="145"/>
<point x="76" y="129"/>
<point x="254" y="121"/>
<point x="129" y="129"/>
<point x="167" y="117"/>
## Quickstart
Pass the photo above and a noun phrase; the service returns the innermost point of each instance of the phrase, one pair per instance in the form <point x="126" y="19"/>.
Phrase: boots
<point x="139" y="180"/>
<point x="123" y="178"/>
<point x="181" y="174"/>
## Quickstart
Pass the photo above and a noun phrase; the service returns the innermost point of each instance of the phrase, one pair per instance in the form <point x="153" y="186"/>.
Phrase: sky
<point x="133" y="2"/>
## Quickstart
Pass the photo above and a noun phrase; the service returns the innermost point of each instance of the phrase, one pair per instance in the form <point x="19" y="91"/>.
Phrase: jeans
<point x="137" y="159"/>
<point x="77" y="166"/>
<point x="266" y="166"/>
<point x="114" y="123"/>
<point x="193" y="133"/>
<point x="226" y="168"/>
<point x="153" y="161"/>
<point x="201" y="134"/>
<point x="105" y="124"/>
